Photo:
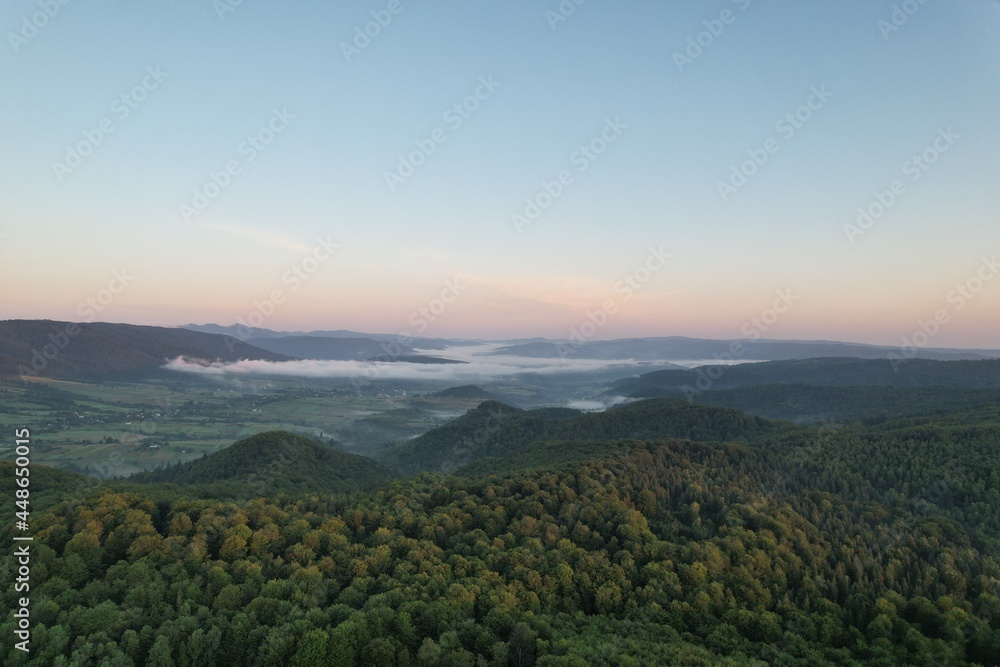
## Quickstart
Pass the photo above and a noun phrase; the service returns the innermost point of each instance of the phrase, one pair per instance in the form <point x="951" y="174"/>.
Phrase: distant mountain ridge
<point x="329" y="348"/>
<point x="252" y="333"/>
<point x="826" y="372"/>
<point x="67" y="350"/>
<point x="414" y="359"/>
<point x="683" y="348"/>
<point x="335" y="348"/>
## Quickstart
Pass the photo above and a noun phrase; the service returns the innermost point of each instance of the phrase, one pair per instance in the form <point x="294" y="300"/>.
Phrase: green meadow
<point x="116" y="429"/>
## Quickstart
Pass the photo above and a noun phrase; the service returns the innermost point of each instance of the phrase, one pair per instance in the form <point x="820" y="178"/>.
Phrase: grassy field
<point x="119" y="428"/>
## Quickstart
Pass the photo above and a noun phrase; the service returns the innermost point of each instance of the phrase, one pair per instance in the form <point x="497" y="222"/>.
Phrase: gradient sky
<point x="655" y="186"/>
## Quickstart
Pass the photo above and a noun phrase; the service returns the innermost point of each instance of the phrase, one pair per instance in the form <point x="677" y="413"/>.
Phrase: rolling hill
<point x="66" y="350"/>
<point x="494" y="429"/>
<point x="320" y="347"/>
<point x="798" y="546"/>
<point x="465" y="391"/>
<point x="48" y="485"/>
<point x="273" y="462"/>
<point x="253" y="333"/>
<point x="824" y="372"/>
<point x="813" y="404"/>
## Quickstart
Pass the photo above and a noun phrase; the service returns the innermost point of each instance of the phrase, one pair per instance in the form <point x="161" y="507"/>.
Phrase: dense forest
<point x="271" y="462"/>
<point x="494" y="428"/>
<point x="823" y="372"/>
<point x="659" y="533"/>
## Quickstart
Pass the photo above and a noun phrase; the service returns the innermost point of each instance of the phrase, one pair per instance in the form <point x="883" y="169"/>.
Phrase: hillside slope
<point x="319" y="347"/>
<point x="816" y="404"/>
<point x="65" y="350"/>
<point x="48" y="486"/>
<point x="494" y="429"/>
<point x="830" y="372"/>
<point x="271" y="462"/>
<point x="849" y="552"/>
<point x="680" y="347"/>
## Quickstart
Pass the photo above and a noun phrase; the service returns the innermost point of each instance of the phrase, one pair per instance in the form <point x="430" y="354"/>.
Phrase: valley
<point x="113" y="429"/>
<point x="820" y="511"/>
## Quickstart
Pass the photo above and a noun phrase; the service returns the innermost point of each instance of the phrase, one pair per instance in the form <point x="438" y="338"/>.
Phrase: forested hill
<point x="494" y="429"/>
<point x="483" y="431"/>
<point x="464" y="391"/>
<point x="65" y="350"/>
<point x="853" y="547"/>
<point x="320" y="347"/>
<point x="679" y="347"/>
<point x="816" y="404"/>
<point x="270" y="463"/>
<point x="48" y="485"/>
<point x="830" y="372"/>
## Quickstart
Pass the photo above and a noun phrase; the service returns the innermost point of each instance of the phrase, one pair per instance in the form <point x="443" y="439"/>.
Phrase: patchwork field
<point x="119" y="428"/>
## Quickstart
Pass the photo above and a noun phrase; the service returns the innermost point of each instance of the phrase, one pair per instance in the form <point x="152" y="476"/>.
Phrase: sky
<point x="809" y="169"/>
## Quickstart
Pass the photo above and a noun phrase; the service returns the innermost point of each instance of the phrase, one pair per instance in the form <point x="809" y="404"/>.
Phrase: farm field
<point x="116" y="429"/>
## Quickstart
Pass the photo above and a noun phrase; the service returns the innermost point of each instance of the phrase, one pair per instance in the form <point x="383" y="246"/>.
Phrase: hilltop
<point x="272" y="462"/>
<point x="465" y="391"/>
<point x="495" y="429"/>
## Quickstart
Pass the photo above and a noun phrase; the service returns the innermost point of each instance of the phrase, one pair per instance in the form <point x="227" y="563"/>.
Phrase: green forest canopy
<point x="793" y="546"/>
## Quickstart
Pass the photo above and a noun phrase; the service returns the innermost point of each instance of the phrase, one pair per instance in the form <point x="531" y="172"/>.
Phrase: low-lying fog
<point x="479" y="365"/>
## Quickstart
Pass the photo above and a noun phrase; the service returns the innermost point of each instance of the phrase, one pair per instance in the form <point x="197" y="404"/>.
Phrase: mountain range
<point x="66" y="350"/>
<point x="92" y="350"/>
<point x="682" y="348"/>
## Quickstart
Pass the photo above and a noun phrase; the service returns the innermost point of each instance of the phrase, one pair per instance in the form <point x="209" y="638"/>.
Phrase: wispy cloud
<point x="598" y="405"/>
<point x="262" y="237"/>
